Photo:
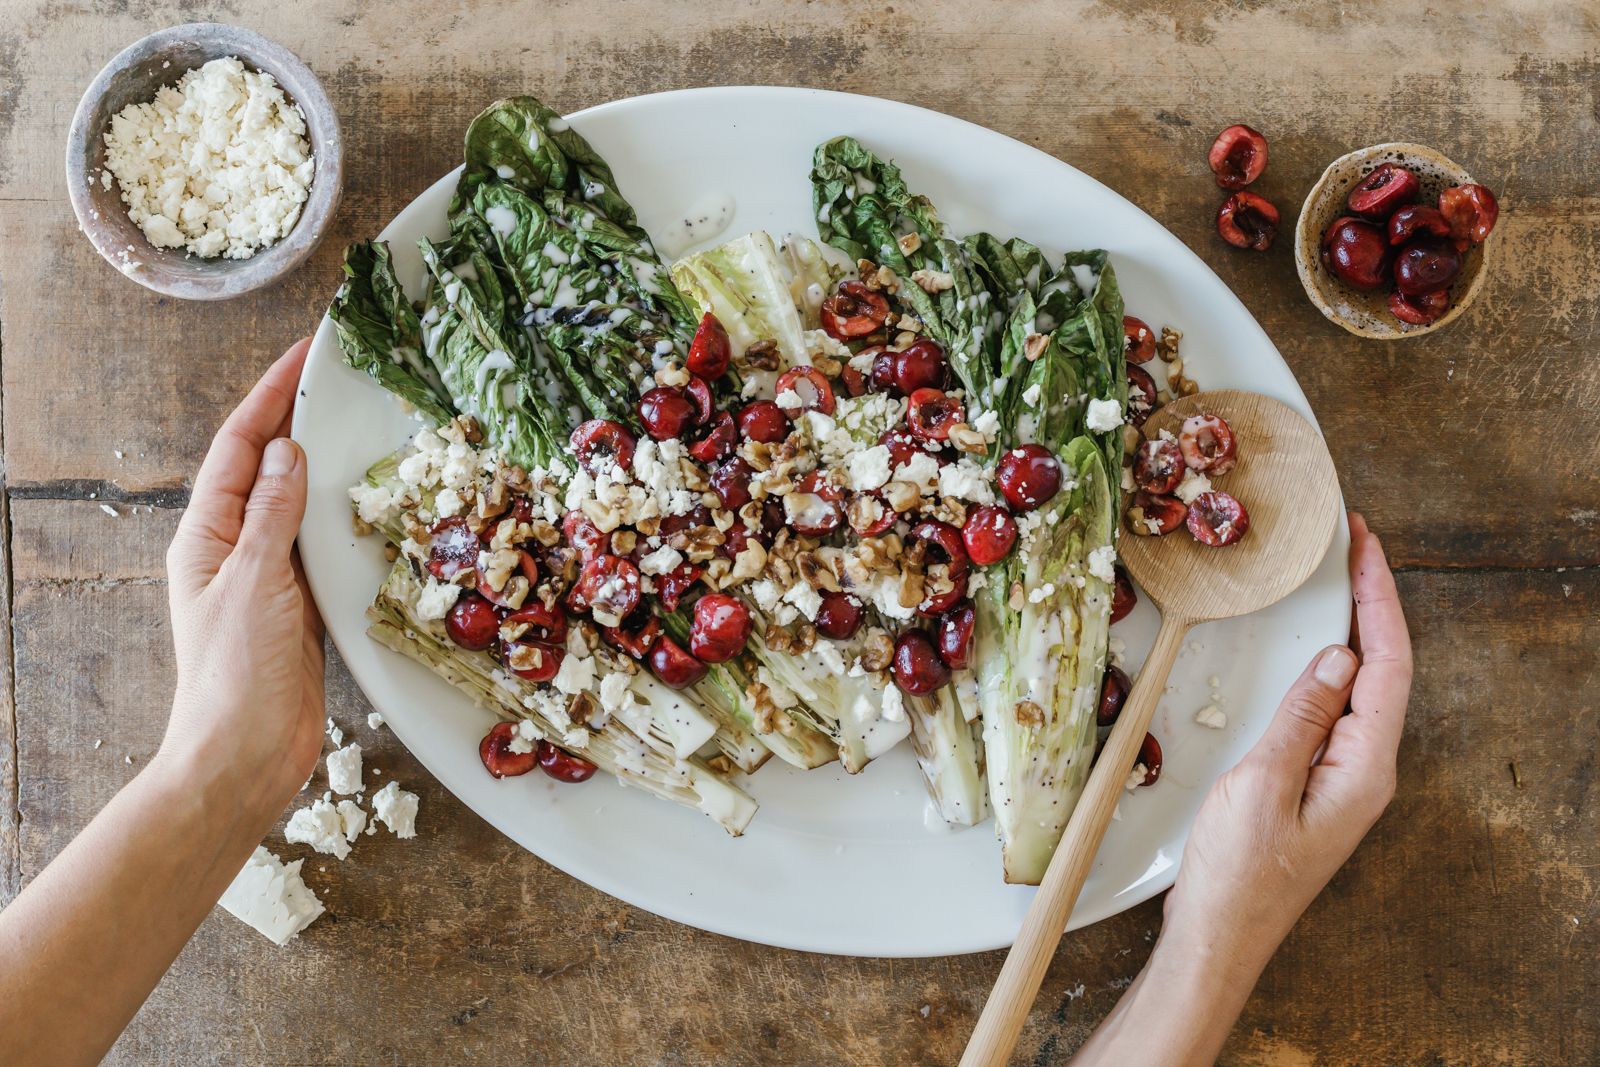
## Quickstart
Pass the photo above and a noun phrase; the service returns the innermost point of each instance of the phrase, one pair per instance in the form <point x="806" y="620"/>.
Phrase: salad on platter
<point x="784" y="497"/>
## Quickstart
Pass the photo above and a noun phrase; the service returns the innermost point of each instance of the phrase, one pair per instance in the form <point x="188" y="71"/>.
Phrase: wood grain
<point x="1463" y="932"/>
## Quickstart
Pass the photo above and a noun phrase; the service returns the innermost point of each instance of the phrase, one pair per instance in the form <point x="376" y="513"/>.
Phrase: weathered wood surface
<point x="1464" y="930"/>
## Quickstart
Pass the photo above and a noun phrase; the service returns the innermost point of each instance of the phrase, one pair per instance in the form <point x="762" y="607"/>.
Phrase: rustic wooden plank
<point x="10" y="845"/>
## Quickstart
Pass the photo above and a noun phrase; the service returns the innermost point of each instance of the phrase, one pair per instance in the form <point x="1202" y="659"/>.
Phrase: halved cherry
<point x="839" y="616"/>
<point x="699" y="515"/>
<point x="921" y="366"/>
<point x="945" y="547"/>
<point x="544" y="624"/>
<point x="671" y="587"/>
<point x="853" y="311"/>
<point x="763" y="421"/>
<point x="1165" y="512"/>
<point x="932" y="412"/>
<point x="563" y="766"/>
<point x="1217" y="519"/>
<point x="1028" y="476"/>
<point x="731" y="483"/>
<point x="600" y="443"/>
<point x="1150" y="757"/>
<point x="1237" y="157"/>
<point x="1123" y="597"/>
<point x="1471" y="211"/>
<point x="709" y="352"/>
<point x="902" y="445"/>
<point x="537" y="661"/>
<point x="735" y="539"/>
<point x="1138" y="340"/>
<point x="1426" y="265"/>
<point x="721" y="627"/>
<point x="1113" y="693"/>
<point x="521" y="509"/>
<point x="699" y="392"/>
<point x="1415" y="220"/>
<point x="472" y="622"/>
<point x="1383" y="190"/>
<point x="718" y="441"/>
<point x="883" y="360"/>
<point x="988" y="534"/>
<point x="452" y="548"/>
<point x="525" y="563"/>
<point x="636" y="634"/>
<point x="1141" y="394"/>
<point x="1246" y="220"/>
<point x="1419" y="310"/>
<point x="1207" y="444"/>
<point x="917" y="668"/>
<point x="1158" y="466"/>
<point x="675" y="667"/>
<point x="807" y="383"/>
<point x="666" y="413"/>
<point x="1357" y="253"/>
<point x="583" y="535"/>
<point x="870" y="514"/>
<point x="855" y="383"/>
<point x="498" y="759"/>
<point x="814" y="507"/>
<point x="954" y="635"/>
<point x="608" y="588"/>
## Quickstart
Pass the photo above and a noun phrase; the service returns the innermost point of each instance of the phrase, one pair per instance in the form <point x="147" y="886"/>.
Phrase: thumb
<point x="1310" y="708"/>
<point x="277" y="502"/>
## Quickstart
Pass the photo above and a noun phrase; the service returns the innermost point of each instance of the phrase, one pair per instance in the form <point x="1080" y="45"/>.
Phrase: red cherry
<point x="853" y="311"/>
<point x="1141" y="394"/>
<point x="671" y="587"/>
<point x="472" y="622"/>
<point x="1426" y="265"/>
<point x="1207" y="444"/>
<point x="883" y="360"/>
<point x="709" y="352"/>
<point x="1415" y="220"/>
<point x="814" y="507"/>
<point x="1167" y="512"/>
<point x="720" y="629"/>
<point x="1138" y="341"/>
<point x="666" y="413"/>
<point x="1246" y="220"/>
<point x="675" y="667"/>
<point x="1113" y="694"/>
<point x="1028" y="476"/>
<point x="451" y="548"/>
<point x="810" y="386"/>
<point x="988" y="534"/>
<point x="922" y="366"/>
<point x="945" y="545"/>
<point x="608" y="588"/>
<point x="840" y="616"/>
<point x="718" y="441"/>
<point x="522" y="509"/>
<point x="1357" y="253"/>
<point x="1123" y="597"/>
<point x="764" y="421"/>
<point x="498" y="759"/>
<point x="1217" y="519"/>
<point x="1383" y="190"/>
<point x="1419" y="310"/>
<point x="1471" y="211"/>
<point x="955" y="634"/>
<point x="563" y="766"/>
<point x="1158" y="466"/>
<point x="1150" y="756"/>
<point x="855" y="383"/>
<point x="902" y="445"/>
<point x="583" y="535"/>
<point x="544" y="624"/>
<point x="931" y="413"/>
<point x="636" y="634"/>
<point x="525" y="563"/>
<point x="872" y="512"/>
<point x="699" y="393"/>
<point x="599" y="443"/>
<point x="731" y="483"/>
<point x="540" y="660"/>
<point x="1238" y="156"/>
<point x="918" y="670"/>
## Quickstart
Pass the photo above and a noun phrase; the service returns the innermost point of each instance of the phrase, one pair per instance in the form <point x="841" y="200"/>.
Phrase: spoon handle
<point x="1014" y="991"/>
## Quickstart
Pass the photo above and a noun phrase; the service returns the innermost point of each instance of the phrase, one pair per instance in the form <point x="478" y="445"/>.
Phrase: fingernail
<point x="1335" y="667"/>
<point x="278" y="459"/>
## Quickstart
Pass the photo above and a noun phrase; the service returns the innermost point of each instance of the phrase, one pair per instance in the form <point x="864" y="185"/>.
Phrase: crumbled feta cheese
<point x="447" y="503"/>
<point x="615" y="696"/>
<point x="806" y="599"/>
<point x="790" y="401"/>
<point x="663" y="560"/>
<point x="894" y="707"/>
<point x="1194" y="483"/>
<point x="766" y="594"/>
<point x="271" y="896"/>
<point x="1211" y="716"/>
<point x="1135" y="777"/>
<point x="869" y="468"/>
<point x="396" y="809"/>
<point x="987" y="424"/>
<point x="374" y="721"/>
<point x="1030" y="395"/>
<point x="920" y="469"/>
<point x="320" y="827"/>
<point x="335" y="734"/>
<point x="966" y="479"/>
<point x="375" y="504"/>
<point x="1101" y="562"/>
<point x="1040" y="594"/>
<point x="436" y="599"/>
<point x="575" y="675"/>
<point x="344" y="770"/>
<point x="1103" y="415"/>
<point x="352" y="818"/>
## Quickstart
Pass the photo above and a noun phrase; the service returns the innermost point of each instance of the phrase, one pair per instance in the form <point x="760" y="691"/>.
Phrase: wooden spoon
<point x="1286" y="481"/>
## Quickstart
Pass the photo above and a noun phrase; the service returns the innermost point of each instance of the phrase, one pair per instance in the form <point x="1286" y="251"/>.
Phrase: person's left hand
<point x="249" y="702"/>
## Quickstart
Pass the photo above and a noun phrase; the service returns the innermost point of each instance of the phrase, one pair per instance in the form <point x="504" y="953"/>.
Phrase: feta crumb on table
<point x="270" y="896"/>
<point x="321" y="827"/>
<point x="396" y="809"/>
<point x="344" y="770"/>
<point x="1211" y="716"/>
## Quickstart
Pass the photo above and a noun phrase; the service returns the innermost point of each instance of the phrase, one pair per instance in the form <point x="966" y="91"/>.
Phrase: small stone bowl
<point x="1367" y="314"/>
<point x="133" y="77"/>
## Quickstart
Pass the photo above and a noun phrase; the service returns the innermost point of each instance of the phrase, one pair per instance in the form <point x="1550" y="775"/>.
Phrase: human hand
<point x="249" y="703"/>
<point x="1274" y="829"/>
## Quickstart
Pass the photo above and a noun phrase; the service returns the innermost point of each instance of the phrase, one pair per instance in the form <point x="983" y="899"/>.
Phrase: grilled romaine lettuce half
<point x="379" y="331"/>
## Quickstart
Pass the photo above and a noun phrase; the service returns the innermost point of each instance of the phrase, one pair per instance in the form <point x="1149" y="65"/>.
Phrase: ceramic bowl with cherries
<point x="1390" y="242"/>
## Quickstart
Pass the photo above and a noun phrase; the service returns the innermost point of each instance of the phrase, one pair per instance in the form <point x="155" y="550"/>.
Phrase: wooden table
<point x="1465" y="929"/>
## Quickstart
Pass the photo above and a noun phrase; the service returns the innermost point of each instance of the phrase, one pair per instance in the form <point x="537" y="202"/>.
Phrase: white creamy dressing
<point x="704" y="219"/>
<point x="501" y="219"/>
<point x="505" y="172"/>
<point x="494" y="361"/>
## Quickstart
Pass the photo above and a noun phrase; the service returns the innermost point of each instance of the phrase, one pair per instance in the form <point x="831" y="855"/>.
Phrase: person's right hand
<point x="1274" y="829"/>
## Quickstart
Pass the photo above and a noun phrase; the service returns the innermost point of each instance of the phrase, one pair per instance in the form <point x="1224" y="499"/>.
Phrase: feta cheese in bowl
<point x="204" y="161"/>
